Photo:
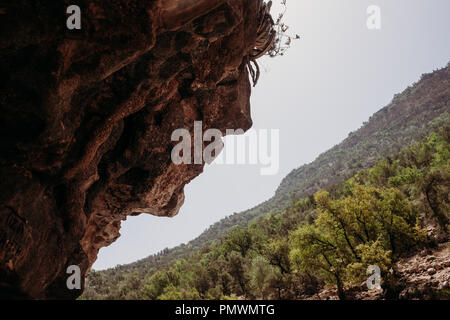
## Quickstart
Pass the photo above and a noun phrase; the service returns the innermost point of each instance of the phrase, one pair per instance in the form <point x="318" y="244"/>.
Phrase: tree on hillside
<point x="370" y="226"/>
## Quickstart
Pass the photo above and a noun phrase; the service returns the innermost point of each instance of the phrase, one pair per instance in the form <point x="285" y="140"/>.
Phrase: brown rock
<point x="87" y="118"/>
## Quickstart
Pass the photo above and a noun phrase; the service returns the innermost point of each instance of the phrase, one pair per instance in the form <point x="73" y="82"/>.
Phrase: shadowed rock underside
<point x="87" y="116"/>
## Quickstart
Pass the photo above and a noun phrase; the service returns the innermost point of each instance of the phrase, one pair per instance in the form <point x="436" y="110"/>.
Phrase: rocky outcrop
<point x="87" y="117"/>
<point x="426" y="275"/>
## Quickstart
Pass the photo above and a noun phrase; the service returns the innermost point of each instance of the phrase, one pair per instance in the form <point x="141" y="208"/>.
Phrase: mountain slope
<point x="321" y="246"/>
<point x="411" y="116"/>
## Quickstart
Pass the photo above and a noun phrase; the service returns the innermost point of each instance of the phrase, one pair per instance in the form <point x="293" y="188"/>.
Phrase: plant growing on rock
<point x="272" y="38"/>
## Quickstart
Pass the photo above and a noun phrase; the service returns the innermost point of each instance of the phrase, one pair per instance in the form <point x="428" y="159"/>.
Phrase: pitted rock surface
<point x="87" y="117"/>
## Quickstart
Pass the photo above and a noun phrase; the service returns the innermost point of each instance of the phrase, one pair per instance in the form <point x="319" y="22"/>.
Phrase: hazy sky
<point x="328" y="84"/>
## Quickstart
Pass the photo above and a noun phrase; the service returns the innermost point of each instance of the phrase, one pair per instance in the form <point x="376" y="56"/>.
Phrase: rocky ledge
<point x="87" y="117"/>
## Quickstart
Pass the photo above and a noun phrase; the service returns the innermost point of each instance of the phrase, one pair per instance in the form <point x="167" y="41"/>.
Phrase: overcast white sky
<point x="329" y="83"/>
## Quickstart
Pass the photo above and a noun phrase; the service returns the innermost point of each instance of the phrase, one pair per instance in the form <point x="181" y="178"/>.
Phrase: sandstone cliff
<point x="87" y="115"/>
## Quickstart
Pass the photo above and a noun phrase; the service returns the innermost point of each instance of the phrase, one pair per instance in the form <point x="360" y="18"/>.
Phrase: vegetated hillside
<point x="412" y="115"/>
<point x="320" y="247"/>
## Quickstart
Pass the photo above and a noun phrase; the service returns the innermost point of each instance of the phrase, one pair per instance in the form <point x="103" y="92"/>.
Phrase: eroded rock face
<point x="87" y="117"/>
